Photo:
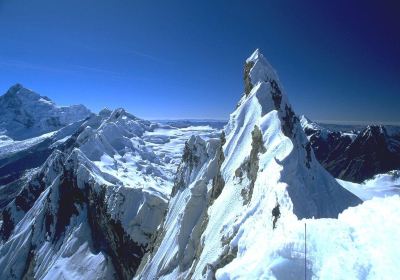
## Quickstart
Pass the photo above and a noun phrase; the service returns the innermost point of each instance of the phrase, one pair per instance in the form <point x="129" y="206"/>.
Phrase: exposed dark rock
<point x="69" y="197"/>
<point x="7" y="226"/>
<point x="218" y="181"/>
<point x="308" y="154"/>
<point x="48" y="218"/>
<point x="29" y="194"/>
<point x="276" y="214"/>
<point x="110" y="237"/>
<point x="228" y="255"/>
<point x="190" y="159"/>
<point x="189" y="155"/>
<point x="250" y="166"/>
<point x="248" y="86"/>
<point x="289" y="121"/>
<point x="276" y="94"/>
<point x="32" y="189"/>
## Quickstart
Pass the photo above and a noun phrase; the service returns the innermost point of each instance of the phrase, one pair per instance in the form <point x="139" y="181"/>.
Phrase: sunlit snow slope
<point x="219" y="221"/>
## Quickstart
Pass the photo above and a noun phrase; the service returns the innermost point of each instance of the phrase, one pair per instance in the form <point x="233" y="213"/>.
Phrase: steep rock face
<point x="354" y="156"/>
<point x="30" y="192"/>
<point x="26" y="114"/>
<point x="267" y="161"/>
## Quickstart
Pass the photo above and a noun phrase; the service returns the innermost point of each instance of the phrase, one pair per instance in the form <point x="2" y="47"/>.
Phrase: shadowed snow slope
<point x="225" y="191"/>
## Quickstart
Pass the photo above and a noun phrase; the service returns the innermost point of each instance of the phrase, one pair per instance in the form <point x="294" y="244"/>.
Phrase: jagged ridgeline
<point x="108" y="202"/>
<point x="220" y="214"/>
<point x="357" y="153"/>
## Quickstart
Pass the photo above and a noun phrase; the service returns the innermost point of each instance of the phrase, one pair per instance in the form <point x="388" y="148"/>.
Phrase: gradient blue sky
<point x="338" y="60"/>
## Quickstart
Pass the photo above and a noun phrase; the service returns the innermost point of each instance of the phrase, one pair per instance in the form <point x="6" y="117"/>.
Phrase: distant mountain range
<point x="354" y="153"/>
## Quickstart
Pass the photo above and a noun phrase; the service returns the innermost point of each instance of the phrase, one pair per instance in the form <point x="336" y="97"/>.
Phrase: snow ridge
<point x="262" y="160"/>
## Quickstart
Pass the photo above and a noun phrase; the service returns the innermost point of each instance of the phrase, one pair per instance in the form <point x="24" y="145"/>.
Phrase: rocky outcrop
<point x="192" y="159"/>
<point x="30" y="192"/>
<point x="250" y="166"/>
<point x="109" y="236"/>
<point x="248" y="86"/>
<point x="218" y="181"/>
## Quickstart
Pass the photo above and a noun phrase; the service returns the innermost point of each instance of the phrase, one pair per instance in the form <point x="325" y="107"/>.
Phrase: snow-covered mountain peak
<point x="122" y="113"/>
<point x="266" y="111"/>
<point x="18" y="94"/>
<point x="305" y="122"/>
<point x="310" y="126"/>
<point x="228" y="189"/>
<point x="105" y="112"/>
<point x="14" y="89"/>
<point x="257" y="69"/>
<point x="26" y="114"/>
<point x="254" y="56"/>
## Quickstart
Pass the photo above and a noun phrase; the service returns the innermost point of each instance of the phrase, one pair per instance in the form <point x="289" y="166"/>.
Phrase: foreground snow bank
<point x="360" y="244"/>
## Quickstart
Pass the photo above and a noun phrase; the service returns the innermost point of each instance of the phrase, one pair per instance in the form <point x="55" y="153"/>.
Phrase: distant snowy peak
<point x="310" y="126"/>
<point x="22" y="94"/>
<point x="105" y="112"/>
<point x="26" y="114"/>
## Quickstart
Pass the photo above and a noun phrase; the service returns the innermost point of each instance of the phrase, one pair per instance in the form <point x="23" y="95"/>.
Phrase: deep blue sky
<point x="338" y="60"/>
